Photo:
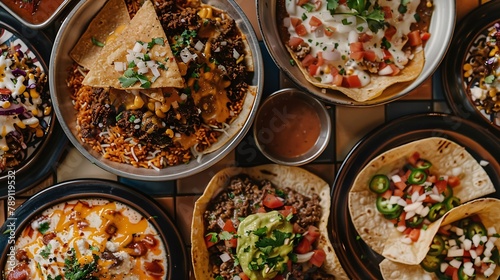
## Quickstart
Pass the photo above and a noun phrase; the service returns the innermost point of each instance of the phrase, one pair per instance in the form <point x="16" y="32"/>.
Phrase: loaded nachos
<point x="359" y="48"/>
<point x="264" y="222"/>
<point x="167" y="86"/>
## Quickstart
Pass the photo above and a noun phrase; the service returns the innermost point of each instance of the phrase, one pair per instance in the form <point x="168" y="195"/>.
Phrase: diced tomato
<point x="293" y="209"/>
<point x="295" y="21"/>
<point x="387" y="194"/>
<point x="444" y="231"/>
<point x="389" y="32"/>
<point x="413" y="159"/>
<point x="295" y="41"/>
<point x="302" y="2"/>
<point x="314" y="21"/>
<point x="243" y="276"/>
<point x="414" y="234"/>
<point x="287" y="211"/>
<point x="5" y="91"/>
<point x="398" y="192"/>
<point x="453" y="181"/>
<point x="318" y="258"/>
<point x="387" y="12"/>
<point x="431" y="178"/>
<point x="261" y="210"/>
<point x="400" y="185"/>
<point x="353" y="81"/>
<point x="356" y="47"/>
<point x="441" y="186"/>
<point x="364" y="37"/>
<point x="395" y="69"/>
<point x="387" y="56"/>
<point x="308" y="60"/>
<point x="301" y="30"/>
<point x="304" y="246"/>
<point x="271" y="201"/>
<point x="450" y="270"/>
<point x="479" y="249"/>
<point x="296" y="228"/>
<point x="357" y="55"/>
<point x="337" y="79"/>
<point x="370" y="55"/>
<point x="321" y="60"/>
<point x="417" y="188"/>
<point x="313" y="69"/>
<point x="342" y="1"/>
<point x="329" y="31"/>
<point x="231" y="243"/>
<point x="312" y="234"/>
<point x="208" y="242"/>
<point x="414" y="38"/>
<point x="229" y="227"/>
<point x="402" y="219"/>
<point x="425" y="36"/>
<point x="454" y="276"/>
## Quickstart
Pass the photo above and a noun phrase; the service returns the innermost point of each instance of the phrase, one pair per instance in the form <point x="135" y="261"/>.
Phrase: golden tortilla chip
<point x="110" y="21"/>
<point x="110" y="70"/>
<point x="444" y="155"/>
<point x="295" y="178"/>
<point x="404" y="263"/>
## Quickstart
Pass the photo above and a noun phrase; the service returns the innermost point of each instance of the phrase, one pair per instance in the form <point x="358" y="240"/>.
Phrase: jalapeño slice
<point x="423" y="164"/>
<point x="437" y="211"/>
<point x="415" y="221"/>
<point x="379" y="183"/>
<point x="475" y="228"/>
<point x="437" y="246"/>
<point x="386" y="208"/>
<point x="431" y="263"/>
<point x="417" y="177"/>
<point x="451" y="202"/>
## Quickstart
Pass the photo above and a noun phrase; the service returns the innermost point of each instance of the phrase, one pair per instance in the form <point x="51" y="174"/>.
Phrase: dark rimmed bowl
<point x="90" y="189"/>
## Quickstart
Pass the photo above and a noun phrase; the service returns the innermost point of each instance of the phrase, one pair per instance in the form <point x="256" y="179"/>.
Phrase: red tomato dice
<point x="208" y="242"/>
<point x="301" y="29"/>
<point x="318" y="257"/>
<point x="314" y="21"/>
<point x="353" y="81"/>
<point x="243" y="276"/>
<point x="303" y="247"/>
<point x="229" y="226"/>
<point x="271" y="201"/>
<point x="295" y="41"/>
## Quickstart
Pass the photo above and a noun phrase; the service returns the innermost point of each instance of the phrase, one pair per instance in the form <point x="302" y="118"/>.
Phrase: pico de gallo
<point x="463" y="250"/>
<point x="255" y="230"/>
<point x="344" y="42"/>
<point x="412" y="197"/>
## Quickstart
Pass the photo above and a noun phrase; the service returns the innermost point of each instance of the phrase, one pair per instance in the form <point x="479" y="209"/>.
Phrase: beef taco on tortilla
<point x="405" y="189"/>
<point x="359" y="48"/>
<point x="463" y="244"/>
<point x="261" y="223"/>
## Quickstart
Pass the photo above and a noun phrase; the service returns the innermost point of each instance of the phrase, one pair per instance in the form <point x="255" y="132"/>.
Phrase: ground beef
<point x="244" y="197"/>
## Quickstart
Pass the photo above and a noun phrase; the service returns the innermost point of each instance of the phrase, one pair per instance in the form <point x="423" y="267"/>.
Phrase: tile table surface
<point x="350" y="125"/>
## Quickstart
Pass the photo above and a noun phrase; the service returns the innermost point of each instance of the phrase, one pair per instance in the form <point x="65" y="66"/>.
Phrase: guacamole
<point x="264" y="242"/>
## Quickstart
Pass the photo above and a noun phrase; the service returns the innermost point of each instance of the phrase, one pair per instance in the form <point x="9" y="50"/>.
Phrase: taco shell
<point x="144" y="27"/>
<point x="400" y="265"/>
<point x="377" y="83"/>
<point x="105" y="26"/>
<point x="444" y="155"/>
<point x="295" y="178"/>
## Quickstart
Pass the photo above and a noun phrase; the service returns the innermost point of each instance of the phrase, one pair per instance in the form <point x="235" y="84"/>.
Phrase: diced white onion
<point x="406" y="240"/>
<point x="469" y="271"/>
<point x="119" y="66"/>
<point x="183" y="96"/>
<point x="473" y="254"/>
<point x="488" y="272"/>
<point x="401" y="228"/>
<point x="396" y="178"/>
<point x="199" y="46"/>
<point x="421" y="197"/>
<point x="402" y="202"/>
<point x="333" y="55"/>
<point x="302" y="258"/>
<point x="484" y="239"/>
<point x="409" y="215"/>
<point x="236" y="277"/>
<point x="455" y="252"/>
<point x="444" y="266"/>
<point x="414" y="196"/>
<point x="137" y="47"/>
<point x="142" y="70"/>
<point x="412" y="207"/>
<point x="236" y="54"/>
<point x="483" y="162"/>
<point x="425" y="211"/>
<point x="476" y="239"/>
<point x="287" y="22"/>
<point x="455" y="263"/>
<point x="220" y="222"/>
<point x="437" y="197"/>
<point x="456" y="171"/>
<point x="155" y="71"/>
<point x="467" y="244"/>
<point x="491" y="231"/>
<point x="394" y="199"/>
<point x="353" y="36"/>
<point x="225" y="257"/>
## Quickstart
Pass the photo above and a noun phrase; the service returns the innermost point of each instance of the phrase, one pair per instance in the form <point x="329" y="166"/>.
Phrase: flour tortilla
<point x="377" y="83"/>
<point x="143" y="27"/>
<point x="105" y="26"/>
<point x="444" y="155"/>
<point x="397" y="267"/>
<point x="295" y="178"/>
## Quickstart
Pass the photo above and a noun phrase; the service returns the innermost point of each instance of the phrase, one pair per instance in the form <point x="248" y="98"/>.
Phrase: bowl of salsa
<point x="34" y="14"/>
<point x="292" y="127"/>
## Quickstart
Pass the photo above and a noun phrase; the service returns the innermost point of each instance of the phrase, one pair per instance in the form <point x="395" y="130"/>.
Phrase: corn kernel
<point x="151" y="106"/>
<point x="164" y="108"/>
<point x="35" y="112"/>
<point x="47" y="110"/>
<point x="208" y="75"/>
<point x="21" y="125"/>
<point x="467" y="67"/>
<point x="429" y="4"/>
<point x="5" y="148"/>
<point x="6" y="105"/>
<point x="39" y="132"/>
<point x="34" y="93"/>
<point x="492" y="92"/>
<point x="160" y="114"/>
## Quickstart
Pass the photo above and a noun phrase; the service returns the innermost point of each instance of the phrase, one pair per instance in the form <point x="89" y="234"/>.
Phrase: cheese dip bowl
<point x="292" y="127"/>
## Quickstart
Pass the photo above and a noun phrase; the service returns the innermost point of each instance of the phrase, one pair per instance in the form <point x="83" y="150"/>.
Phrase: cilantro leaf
<point x="260" y="232"/>
<point x="213" y="237"/>
<point x="225" y="235"/>
<point x="331" y="5"/>
<point x="278" y="240"/>
<point x="489" y="79"/>
<point x="43" y="227"/>
<point x="46" y="251"/>
<point x="95" y="42"/>
<point x="127" y="81"/>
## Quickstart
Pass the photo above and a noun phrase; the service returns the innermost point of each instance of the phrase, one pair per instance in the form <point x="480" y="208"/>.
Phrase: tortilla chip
<point x="110" y="20"/>
<point x="377" y="84"/>
<point x="295" y="178"/>
<point x="444" y="155"/>
<point x="144" y="27"/>
<point x="398" y="266"/>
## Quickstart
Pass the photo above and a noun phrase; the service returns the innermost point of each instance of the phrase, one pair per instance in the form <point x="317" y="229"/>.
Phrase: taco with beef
<point x="404" y="190"/>
<point x="359" y="48"/>
<point x="463" y="244"/>
<point x="261" y="223"/>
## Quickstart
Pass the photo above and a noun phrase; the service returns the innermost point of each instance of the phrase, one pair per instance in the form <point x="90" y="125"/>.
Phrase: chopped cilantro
<point x="489" y="79"/>
<point x="260" y="232"/>
<point x="278" y="240"/>
<point x="308" y="7"/>
<point x="331" y="5"/>
<point x="304" y="16"/>
<point x="213" y="237"/>
<point x="156" y="41"/>
<point x="131" y="118"/>
<point x="43" y="227"/>
<point x="76" y="271"/>
<point x="385" y="44"/>
<point x="345" y="21"/>
<point x="225" y="235"/>
<point x="46" y="251"/>
<point x="119" y="116"/>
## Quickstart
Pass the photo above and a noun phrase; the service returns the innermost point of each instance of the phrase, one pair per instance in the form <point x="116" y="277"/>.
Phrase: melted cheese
<point x="346" y="29"/>
<point x="91" y="227"/>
